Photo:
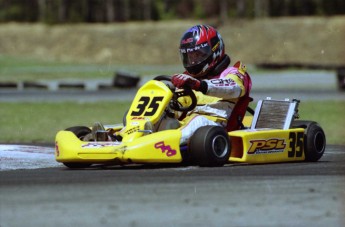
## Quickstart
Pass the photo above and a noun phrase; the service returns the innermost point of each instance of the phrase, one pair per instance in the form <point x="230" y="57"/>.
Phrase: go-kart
<point x="151" y="132"/>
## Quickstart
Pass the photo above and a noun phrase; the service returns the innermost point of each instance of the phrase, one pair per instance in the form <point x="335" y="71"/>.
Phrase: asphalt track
<point x="286" y="194"/>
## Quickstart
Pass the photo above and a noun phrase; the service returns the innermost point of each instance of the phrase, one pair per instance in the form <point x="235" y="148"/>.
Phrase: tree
<point x="109" y="7"/>
<point x="261" y="8"/>
<point x="62" y="11"/>
<point x="147" y="9"/>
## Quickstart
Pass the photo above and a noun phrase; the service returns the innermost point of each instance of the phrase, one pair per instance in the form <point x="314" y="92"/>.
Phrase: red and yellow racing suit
<point x="224" y="92"/>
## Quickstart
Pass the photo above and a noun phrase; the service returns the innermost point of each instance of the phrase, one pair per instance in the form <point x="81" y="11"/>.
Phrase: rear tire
<point x="314" y="140"/>
<point x="210" y="146"/>
<point x="80" y="132"/>
<point x="315" y="143"/>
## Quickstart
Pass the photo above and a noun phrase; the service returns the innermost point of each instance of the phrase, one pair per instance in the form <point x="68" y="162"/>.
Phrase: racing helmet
<point x="201" y="49"/>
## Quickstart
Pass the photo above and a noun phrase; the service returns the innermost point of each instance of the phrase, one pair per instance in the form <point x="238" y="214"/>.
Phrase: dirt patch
<point x="303" y="40"/>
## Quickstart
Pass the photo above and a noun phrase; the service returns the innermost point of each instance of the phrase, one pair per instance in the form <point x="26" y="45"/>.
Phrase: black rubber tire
<point x="80" y="132"/>
<point x="210" y="146"/>
<point x="314" y="139"/>
<point x="315" y="143"/>
<point x="124" y="120"/>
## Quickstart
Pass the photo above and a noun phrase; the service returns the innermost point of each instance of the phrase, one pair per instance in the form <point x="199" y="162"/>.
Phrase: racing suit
<point x="216" y="104"/>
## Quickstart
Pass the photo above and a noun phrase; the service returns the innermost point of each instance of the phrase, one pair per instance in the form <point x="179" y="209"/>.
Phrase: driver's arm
<point x="229" y="87"/>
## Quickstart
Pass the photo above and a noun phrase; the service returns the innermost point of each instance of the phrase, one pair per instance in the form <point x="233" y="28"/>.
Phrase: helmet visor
<point x="195" y="55"/>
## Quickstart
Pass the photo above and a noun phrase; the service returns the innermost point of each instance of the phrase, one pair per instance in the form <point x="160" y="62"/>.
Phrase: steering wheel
<point x="186" y="91"/>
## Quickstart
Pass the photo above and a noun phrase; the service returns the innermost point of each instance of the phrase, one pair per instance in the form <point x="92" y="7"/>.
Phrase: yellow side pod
<point x="267" y="145"/>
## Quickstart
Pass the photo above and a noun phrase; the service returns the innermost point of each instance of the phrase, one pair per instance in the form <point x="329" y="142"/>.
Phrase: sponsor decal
<point x="165" y="149"/>
<point x="132" y="130"/>
<point x="198" y="47"/>
<point x="138" y="118"/>
<point x="215" y="47"/>
<point x="223" y="82"/>
<point x="266" y="146"/>
<point x="189" y="40"/>
<point x="57" y="151"/>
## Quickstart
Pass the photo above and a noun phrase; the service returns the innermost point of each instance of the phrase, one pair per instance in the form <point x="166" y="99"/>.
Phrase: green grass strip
<point x="39" y="122"/>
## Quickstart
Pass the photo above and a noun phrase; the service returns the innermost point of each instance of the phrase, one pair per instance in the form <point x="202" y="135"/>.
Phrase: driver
<point x="222" y="91"/>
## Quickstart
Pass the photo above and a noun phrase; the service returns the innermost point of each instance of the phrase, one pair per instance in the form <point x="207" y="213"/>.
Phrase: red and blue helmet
<point x="201" y="49"/>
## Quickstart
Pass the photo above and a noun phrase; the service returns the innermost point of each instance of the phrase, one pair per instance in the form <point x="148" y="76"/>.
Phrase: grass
<point x="39" y="122"/>
<point x="330" y="115"/>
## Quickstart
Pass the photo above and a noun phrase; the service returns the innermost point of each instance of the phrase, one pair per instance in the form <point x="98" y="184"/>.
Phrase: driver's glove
<point x="184" y="80"/>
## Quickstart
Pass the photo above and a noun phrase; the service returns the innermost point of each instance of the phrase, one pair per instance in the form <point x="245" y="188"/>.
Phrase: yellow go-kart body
<point x="142" y="143"/>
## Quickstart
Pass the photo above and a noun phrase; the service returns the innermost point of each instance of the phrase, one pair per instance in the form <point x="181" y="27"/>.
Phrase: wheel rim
<point x="220" y="146"/>
<point x="319" y="142"/>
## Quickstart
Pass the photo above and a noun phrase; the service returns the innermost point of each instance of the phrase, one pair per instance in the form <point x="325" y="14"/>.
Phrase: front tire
<point x="79" y="131"/>
<point x="210" y="146"/>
